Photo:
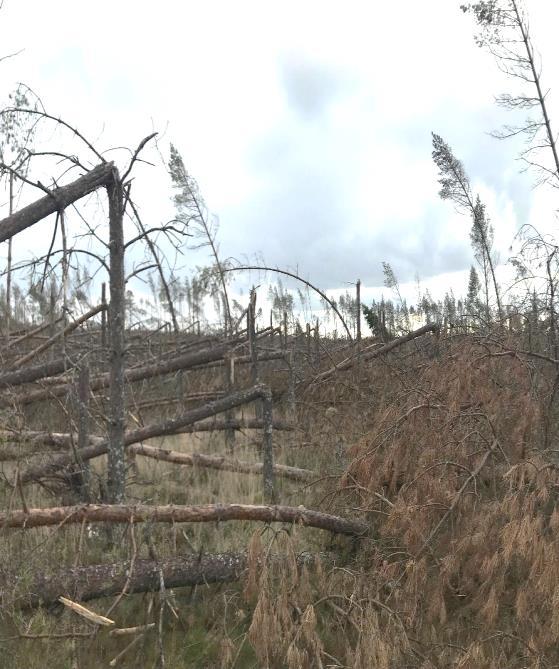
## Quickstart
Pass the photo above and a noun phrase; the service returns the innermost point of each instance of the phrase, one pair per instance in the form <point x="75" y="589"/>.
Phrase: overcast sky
<point x="307" y="124"/>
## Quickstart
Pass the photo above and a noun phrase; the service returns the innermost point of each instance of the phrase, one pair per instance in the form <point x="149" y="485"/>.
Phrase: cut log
<point x="121" y="513"/>
<point x="219" y="462"/>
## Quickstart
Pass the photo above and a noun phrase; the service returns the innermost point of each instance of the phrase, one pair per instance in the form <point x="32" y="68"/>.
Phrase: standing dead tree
<point x="56" y="201"/>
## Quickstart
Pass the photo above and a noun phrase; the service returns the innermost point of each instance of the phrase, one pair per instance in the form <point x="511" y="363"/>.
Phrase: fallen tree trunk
<point x="374" y="351"/>
<point x="121" y="513"/>
<point x="106" y="580"/>
<point x="30" y="374"/>
<point x="65" y="439"/>
<point x="220" y="462"/>
<point x="246" y="359"/>
<point x="31" y="333"/>
<point x="186" y="361"/>
<point x="134" y="436"/>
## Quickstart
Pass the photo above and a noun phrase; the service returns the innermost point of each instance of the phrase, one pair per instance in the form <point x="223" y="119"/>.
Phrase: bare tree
<point x="505" y="32"/>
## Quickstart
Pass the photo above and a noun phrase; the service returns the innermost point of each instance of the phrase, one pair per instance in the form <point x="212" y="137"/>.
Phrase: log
<point x="30" y="334"/>
<point x="106" y="580"/>
<point x="374" y="351"/>
<point x="65" y="439"/>
<point x="57" y="200"/>
<point x="140" y="513"/>
<point x="30" y="374"/>
<point x="220" y="462"/>
<point x="245" y="360"/>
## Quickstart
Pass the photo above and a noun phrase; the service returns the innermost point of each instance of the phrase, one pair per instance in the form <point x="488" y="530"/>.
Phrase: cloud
<point x="310" y="139"/>
<point x="311" y="86"/>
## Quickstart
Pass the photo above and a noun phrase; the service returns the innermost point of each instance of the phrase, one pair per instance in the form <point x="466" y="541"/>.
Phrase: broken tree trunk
<point x="116" y="468"/>
<point x="140" y="513"/>
<point x="57" y="200"/>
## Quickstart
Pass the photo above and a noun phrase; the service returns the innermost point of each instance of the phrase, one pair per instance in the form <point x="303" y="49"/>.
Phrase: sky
<point x="306" y="124"/>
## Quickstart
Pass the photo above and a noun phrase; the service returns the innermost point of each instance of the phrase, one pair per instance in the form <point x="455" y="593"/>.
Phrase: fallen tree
<point x="59" y="335"/>
<point x="374" y="351"/>
<point x="104" y="580"/>
<point x="57" y="200"/>
<point x="207" y="513"/>
<point x="66" y="439"/>
<point x="130" y="577"/>
<point x="220" y="462"/>
<point x="30" y="374"/>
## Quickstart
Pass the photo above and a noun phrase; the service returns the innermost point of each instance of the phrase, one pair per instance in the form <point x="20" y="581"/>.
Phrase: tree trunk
<point x="116" y="461"/>
<point x="120" y="513"/>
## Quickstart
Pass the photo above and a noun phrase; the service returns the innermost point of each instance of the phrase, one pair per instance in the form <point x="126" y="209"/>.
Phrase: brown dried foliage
<point x="462" y="496"/>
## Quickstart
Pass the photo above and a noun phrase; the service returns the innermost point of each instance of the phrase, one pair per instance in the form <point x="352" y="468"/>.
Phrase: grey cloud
<point x="310" y="86"/>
